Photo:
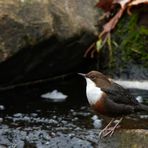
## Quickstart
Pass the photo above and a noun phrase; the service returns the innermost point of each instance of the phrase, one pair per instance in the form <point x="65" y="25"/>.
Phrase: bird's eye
<point x="93" y="77"/>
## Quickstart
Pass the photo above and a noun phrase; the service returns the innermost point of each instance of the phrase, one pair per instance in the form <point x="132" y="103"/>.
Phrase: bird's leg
<point x="112" y="130"/>
<point x="103" y="131"/>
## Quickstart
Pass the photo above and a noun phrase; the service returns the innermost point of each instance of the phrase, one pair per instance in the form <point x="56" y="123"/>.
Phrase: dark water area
<point x="29" y="121"/>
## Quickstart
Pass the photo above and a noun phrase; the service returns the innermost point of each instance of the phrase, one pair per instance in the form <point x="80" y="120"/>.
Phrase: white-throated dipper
<point x="110" y="99"/>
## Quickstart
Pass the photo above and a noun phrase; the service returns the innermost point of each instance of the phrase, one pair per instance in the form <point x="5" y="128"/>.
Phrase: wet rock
<point x="34" y="114"/>
<point x="18" y="115"/>
<point x="97" y="123"/>
<point x="39" y="38"/>
<point x="130" y="138"/>
<point x="129" y="56"/>
<point x="69" y="141"/>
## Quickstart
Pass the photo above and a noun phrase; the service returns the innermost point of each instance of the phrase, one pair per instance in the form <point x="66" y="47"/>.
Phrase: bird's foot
<point x="103" y="131"/>
<point x="108" y="130"/>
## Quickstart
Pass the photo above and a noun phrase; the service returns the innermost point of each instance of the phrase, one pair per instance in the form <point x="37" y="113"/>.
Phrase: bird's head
<point x="98" y="78"/>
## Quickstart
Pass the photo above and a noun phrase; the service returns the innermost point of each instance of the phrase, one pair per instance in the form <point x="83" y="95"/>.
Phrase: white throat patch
<point x="93" y="93"/>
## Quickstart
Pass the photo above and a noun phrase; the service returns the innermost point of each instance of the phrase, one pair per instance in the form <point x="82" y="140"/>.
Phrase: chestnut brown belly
<point x="99" y="107"/>
<point x="109" y="108"/>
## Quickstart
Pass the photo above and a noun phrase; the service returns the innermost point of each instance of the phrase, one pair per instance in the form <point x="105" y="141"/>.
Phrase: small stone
<point x="18" y="115"/>
<point x="54" y="117"/>
<point x="47" y="143"/>
<point x="97" y="123"/>
<point x="72" y="110"/>
<point x="34" y="114"/>
<point x="94" y="117"/>
<point x="139" y="99"/>
<point x="64" y="122"/>
<point x="53" y="134"/>
<point x="75" y="119"/>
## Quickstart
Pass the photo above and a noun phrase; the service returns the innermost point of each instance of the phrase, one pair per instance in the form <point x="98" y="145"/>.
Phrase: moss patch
<point x="129" y="42"/>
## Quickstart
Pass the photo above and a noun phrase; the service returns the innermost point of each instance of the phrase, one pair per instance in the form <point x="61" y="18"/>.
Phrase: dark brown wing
<point x="120" y="95"/>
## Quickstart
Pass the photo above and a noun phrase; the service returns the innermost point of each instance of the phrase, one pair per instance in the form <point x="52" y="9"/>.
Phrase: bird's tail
<point x="142" y="107"/>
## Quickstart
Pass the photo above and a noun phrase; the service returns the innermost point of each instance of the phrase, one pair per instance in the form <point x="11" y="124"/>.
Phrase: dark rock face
<point x="47" y="59"/>
<point x="40" y="39"/>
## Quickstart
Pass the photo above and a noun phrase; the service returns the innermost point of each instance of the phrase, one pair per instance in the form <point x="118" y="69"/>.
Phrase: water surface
<point x="38" y="122"/>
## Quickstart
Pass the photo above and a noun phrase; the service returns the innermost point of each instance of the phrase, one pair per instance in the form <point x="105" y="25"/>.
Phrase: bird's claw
<point x="109" y="130"/>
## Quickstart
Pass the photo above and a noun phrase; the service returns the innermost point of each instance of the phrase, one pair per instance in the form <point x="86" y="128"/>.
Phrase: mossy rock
<point x="129" y="46"/>
<point x="131" y="40"/>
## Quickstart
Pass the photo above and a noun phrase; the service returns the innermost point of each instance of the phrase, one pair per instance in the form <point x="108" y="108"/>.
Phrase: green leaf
<point x="99" y="45"/>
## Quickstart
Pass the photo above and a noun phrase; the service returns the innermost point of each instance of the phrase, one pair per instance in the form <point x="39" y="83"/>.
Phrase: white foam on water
<point x="55" y="95"/>
<point x="144" y="116"/>
<point x="133" y="84"/>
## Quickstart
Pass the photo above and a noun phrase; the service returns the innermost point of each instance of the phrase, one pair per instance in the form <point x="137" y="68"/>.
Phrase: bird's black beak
<point x="82" y="74"/>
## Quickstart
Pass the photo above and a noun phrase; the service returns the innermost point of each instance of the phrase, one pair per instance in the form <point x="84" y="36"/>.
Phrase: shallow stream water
<point x="45" y="123"/>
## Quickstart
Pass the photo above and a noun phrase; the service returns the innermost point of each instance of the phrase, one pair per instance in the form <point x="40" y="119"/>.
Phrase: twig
<point x="89" y="49"/>
<point x="32" y="83"/>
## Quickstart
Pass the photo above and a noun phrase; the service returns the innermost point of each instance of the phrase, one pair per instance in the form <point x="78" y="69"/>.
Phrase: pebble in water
<point x="97" y="123"/>
<point x="139" y="99"/>
<point x="94" y="117"/>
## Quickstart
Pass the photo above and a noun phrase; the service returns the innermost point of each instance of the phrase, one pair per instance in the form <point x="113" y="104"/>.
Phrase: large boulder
<point x="42" y="38"/>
